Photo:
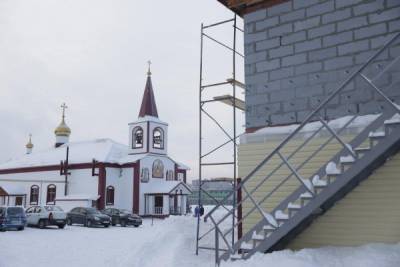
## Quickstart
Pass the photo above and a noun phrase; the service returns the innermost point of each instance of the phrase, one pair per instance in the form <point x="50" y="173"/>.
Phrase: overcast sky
<point x="92" y="55"/>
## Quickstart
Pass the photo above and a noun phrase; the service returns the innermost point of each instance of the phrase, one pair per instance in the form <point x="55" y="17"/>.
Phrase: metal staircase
<point x="356" y="156"/>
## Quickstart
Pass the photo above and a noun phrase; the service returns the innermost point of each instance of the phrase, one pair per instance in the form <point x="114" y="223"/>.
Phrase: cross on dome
<point x="64" y="107"/>
<point x="148" y="71"/>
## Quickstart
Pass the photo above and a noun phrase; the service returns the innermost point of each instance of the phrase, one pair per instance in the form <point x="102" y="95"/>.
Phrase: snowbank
<point x="372" y="255"/>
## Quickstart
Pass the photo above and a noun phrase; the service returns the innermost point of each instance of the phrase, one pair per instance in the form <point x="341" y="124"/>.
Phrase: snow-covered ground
<point x="168" y="243"/>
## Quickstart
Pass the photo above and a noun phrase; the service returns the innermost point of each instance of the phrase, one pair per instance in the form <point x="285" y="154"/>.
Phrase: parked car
<point x="43" y="216"/>
<point x="12" y="217"/>
<point x="88" y="217"/>
<point x="123" y="217"/>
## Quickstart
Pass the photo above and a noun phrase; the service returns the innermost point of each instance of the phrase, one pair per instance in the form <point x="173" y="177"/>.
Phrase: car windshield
<point x="93" y="211"/>
<point x="15" y="211"/>
<point x="52" y="208"/>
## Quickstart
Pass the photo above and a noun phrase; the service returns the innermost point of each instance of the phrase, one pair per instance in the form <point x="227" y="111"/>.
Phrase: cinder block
<point x="308" y="45"/>
<point x="337" y="63"/>
<point x="392" y="3"/>
<point x="390" y="14"/>
<point x="320" y="31"/>
<point x="310" y="91"/>
<point x="370" y="31"/>
<point x="268" y="65"/>
<point x="283" y="118"/>
<point x="281" y="73"/>
<point x="281" y="51"/>
<point x="267" y="44"/>
<point x="304" y="3"/>
<point x="394" y="26"/>
<point x="280" y="30"/>
<point x="344" y="3"/>
<point x="255" y="16"/>
<point x="255" y="57"/>
<point x="282" y="95"/>
<point x="352" y="23"/>
<point x="280" y="9"/>
<point x="353" y="47"/>
<point x="294" y="82"/>
<point x="294" y="15"/>
<point x="294" y="60"/>
<point x="340" y="38"/>
<point x="322" y="54"/>
<point x="294" y="37"/>
<point x="336" y="16"/>
<point x="255" y="37"/>
<point x="295" y="104"/>
<point x="371" y="7"/>
<point x="341" y="111"/>
<point x="267" y="23"/>
<point x="325" y="7"/>
<point x="306" y="24"/>
<point x="308" y="68"/>
<point x="379" y="41"/>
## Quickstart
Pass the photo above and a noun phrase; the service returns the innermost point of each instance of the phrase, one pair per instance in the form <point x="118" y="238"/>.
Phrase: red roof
<point x="148" y="107"/>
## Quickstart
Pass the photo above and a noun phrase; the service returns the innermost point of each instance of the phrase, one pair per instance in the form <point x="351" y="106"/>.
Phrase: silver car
<point x="43" y="216"/>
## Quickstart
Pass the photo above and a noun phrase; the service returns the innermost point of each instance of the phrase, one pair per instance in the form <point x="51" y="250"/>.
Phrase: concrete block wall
<point x="298" y="52"/>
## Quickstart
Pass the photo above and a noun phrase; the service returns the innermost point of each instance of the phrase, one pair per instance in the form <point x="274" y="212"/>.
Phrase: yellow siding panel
<point x="370" y="213"/>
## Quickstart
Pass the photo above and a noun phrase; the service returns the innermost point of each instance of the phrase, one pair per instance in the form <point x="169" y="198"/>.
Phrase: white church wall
<point x="22" y="183"/>
<point x="122" y="181"/>
<point x="165" y="204"/>
<point x="81" y="182"/>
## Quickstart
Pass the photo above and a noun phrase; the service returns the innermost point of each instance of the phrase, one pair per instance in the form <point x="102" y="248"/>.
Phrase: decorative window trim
<point x="170" y="175"/>
<point x="159" y="129"/>
<point x="158" y="169"/>
<point x="33" y="201"/>
<point x="110" y="195"/>
<point x="145" y="175"/>
<point x="50" y="198"/>
<point x="134" y="131"/>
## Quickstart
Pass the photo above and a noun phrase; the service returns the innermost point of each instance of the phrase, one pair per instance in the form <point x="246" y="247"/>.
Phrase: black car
<point x="123" y="217"/>
<point x="88" y="217"/>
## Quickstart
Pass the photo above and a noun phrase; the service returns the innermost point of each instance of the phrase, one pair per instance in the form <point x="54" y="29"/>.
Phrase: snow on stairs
<point x="316" y="185"/>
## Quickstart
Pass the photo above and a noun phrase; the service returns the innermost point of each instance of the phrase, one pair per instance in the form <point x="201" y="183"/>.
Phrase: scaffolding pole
<point x="235" y="103"/>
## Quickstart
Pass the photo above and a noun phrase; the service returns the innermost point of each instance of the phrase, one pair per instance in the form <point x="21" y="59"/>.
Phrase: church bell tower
<point x="148" y="134"/>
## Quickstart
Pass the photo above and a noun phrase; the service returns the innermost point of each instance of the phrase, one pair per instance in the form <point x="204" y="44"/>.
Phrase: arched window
<point x="158" y="138"/>
<point x="51" y="194"/>
<point x="110" y="195"/>
<point x="137" y="137"/>
<point x="34" y="197"/>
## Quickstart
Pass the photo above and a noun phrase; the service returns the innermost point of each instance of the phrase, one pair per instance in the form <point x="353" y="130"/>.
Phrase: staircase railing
<point x="319" y="125"/>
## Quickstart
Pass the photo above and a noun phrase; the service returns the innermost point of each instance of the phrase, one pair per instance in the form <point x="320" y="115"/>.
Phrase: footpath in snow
<point x="169" y="243"/>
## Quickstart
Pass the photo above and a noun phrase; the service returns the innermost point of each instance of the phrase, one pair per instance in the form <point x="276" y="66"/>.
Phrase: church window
<point x="158" y="138"/>
<point x="34" y="196"/>
<point x="110" y="195"/>
<point x="137" y="141"/>
<point x="51" y="194"/>
<point x="170" y="175"/>
<point x="144" y="176"/>
<point x="158" y="169"/>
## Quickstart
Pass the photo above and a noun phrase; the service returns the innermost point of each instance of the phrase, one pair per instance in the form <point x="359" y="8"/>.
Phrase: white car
<point x="43" y="216"/>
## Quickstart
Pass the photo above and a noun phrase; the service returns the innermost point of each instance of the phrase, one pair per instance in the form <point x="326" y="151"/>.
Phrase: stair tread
<point x="306" y="195"/>
<point x="331" y="169"/>
<point x="317" y="182"/>
<point x="347" y="159"/>
<point x="294" y="206"/>
<point x="393" y="120"/>
<point x="280" y="215"/>
<point x="257" y="237"/>
<point x="378" y="134"/>
<point x="268" y="227"/>
<point x="236" y="257"/>
<point x="362" y="149"/>
<point x="246" y="246"/>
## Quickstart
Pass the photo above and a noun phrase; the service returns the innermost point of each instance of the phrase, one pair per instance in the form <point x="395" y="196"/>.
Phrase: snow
<point x="360" y="121"/>
<point x="280" y="215"/>
<point x="347" y="159"/>
<point x="318" y="182"/>
<point x="167" y="243"/>
<point x="78" y="197"/>
<point x="393" y="120"/>
<point x="371" y="255"/>
<point x="376" y="134"/>
<point x="331" y="169"/>
<point x="270" y="219"/>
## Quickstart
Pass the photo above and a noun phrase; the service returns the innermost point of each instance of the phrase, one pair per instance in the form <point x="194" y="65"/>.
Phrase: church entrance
<point x="158" y="204"/>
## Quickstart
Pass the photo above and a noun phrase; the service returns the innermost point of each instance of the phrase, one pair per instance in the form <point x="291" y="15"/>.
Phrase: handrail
<point x="308" y="118"/>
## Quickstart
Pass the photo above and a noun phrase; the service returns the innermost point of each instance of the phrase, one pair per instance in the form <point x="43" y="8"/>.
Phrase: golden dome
<point x="62" y="129"/>
<point x="29" y="145"/>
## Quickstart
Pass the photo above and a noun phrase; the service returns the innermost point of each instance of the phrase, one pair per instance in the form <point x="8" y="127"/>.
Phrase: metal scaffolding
<point x="231" y="134"/>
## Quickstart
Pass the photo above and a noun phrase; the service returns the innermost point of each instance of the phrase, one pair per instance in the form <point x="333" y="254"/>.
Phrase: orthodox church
<point x="101" y="173"/>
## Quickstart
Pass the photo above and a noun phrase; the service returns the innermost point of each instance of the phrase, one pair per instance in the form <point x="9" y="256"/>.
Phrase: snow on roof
<point x="165" y="188"/>
<point x="78" y="197"/>
<point x="151" y="119"/>
<point x="182" y="166"/>
<point x="13" y="189"/>
<point x="103" y="150"/>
